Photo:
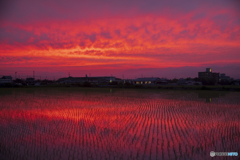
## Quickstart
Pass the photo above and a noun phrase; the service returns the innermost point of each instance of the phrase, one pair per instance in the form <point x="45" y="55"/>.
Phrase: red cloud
<point x="153" y="39"/>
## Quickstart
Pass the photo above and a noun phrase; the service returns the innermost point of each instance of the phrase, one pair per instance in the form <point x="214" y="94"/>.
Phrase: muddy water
<point x="79" y="123"/>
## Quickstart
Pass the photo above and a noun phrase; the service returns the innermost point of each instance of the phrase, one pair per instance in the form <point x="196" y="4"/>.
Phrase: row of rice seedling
<point x="135" y="127"/>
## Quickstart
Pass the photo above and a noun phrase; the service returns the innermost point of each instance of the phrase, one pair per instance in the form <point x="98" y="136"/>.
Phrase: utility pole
<point x="68" y="74"/>
<point x="34" y="74"/>
<point x="15" y="75"/>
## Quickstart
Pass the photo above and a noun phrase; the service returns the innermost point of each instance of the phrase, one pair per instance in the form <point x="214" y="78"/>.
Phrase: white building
<point x="6" y="79"/>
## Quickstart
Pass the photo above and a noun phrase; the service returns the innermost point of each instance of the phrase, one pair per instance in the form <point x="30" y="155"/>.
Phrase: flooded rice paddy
<point x="75" y="123"/>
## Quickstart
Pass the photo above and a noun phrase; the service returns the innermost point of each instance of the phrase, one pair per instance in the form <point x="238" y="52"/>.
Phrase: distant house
<point x="118" y="80"/>
<point x="182" y="81"/>
<point x="6" y="79"/>
<point x="223" y="77"/>
<point x="70" y="80"/>
<point x="153" y="80"/>
<point x="236" y="82"/>
<point x="163" y="81"/>
<point x="197" y="83"/>
<point x="128" y="81"/>
<point x="30" y="79"/>
<point x="104" y="79"/>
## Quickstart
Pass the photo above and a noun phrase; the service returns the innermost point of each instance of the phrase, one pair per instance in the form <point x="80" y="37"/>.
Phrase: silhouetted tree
<point x="196" y="79"/>
<point x="174" y="80"/>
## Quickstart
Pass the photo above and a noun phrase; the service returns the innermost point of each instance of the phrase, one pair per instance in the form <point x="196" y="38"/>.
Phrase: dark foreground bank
<point x="132" y="86"/>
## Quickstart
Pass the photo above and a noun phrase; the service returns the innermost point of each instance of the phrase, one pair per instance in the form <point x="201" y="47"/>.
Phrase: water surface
<point x="76" y="123"/>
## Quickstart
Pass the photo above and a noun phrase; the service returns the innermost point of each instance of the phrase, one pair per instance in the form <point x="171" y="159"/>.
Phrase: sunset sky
<point x="134" y="38"/>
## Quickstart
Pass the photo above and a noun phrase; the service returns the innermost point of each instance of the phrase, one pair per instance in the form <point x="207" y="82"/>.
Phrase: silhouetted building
<point x="153" y="80"/>
<point x="182" y="81"/>
<point x="6" y="79"/>
<point x="208" y="77"/>
<point x="128" y="81"/>
<point x="30" y="79"/>
<point x="208" y="69"/>
<point x="224" y="77"/>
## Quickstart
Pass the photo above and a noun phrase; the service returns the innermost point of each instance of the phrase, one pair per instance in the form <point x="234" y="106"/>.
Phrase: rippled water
<point x="75" y="123"/>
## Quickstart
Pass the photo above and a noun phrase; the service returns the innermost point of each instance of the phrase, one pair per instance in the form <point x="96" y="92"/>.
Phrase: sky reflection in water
<point x="120" y="124"/>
